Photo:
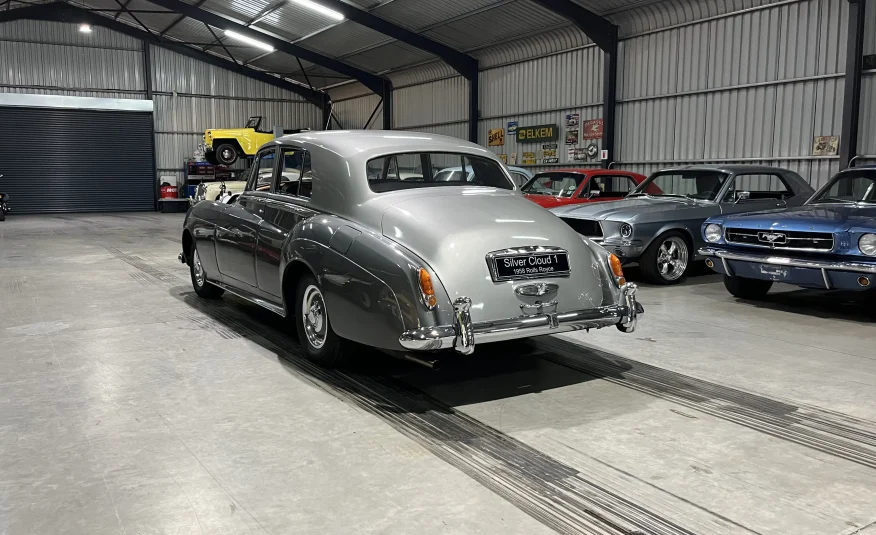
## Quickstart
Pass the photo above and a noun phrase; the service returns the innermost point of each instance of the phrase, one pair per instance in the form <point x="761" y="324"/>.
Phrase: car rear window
<point x="434" y="169"/>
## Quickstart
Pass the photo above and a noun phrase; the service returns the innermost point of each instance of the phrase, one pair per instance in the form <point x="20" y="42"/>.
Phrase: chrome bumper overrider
<point x="462" y="335"/>
<point x="859" y="267"/>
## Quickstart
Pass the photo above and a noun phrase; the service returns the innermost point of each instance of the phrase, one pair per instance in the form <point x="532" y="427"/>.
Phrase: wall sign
<point x="825" y="146"/>
<point x="503" y="157"/>
<point x="512" y="127"/>
<point x="592" y="129"/>
<point x="592" y="151"/>
<point x="531" y="134"/>
<point x="528" y="158"/>
<point x="551" y="160"/>
<point x="497" y="137"/>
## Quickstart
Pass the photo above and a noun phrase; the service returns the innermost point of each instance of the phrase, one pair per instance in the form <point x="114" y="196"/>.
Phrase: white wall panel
<point x="175" y="72"/>
<point x="354" y="113"/>
<point x="435" y="102"/>
<point x="64" y="66"/>
<point x="867" y="141"/>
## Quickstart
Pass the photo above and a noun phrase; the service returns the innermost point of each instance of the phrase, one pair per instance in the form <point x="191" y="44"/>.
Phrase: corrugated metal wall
<point x="751" y="81"/>
<point x="190" y="96"/>
<point x="868" y="89"/>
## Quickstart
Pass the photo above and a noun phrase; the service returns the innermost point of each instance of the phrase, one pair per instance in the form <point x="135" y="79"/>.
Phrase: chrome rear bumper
<point x="462" y="335"/>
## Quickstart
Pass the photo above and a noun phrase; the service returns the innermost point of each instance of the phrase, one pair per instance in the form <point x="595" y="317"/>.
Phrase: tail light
<point x="617" y="269"/>
<point x="427" y="290"/>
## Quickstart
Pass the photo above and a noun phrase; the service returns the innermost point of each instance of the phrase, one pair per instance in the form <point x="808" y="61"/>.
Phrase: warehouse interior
<point x="130" y="404"/>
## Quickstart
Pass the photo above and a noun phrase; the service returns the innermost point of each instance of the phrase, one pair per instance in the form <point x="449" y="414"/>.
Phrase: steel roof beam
<point x="372" y="81"/>
<point x="61" y="12"/>
<point x="464" y="64"/>
<point x="605" y="34"/>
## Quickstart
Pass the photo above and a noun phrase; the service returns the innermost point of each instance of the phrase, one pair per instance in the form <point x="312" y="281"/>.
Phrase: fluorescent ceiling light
<point x="331" y="13"/>
<point x="85" y="28"/>
<point x="249" y="41"/>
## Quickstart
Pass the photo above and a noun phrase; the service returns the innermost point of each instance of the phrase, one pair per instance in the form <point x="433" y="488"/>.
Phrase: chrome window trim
<point x="527" y="249"/>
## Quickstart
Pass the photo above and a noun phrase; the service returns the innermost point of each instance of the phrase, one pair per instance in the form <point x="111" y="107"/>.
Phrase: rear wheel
<point x="225" y="153"/>
<point x="667" y="258"/>
<point x="199" y="278"/>
<point x="321" y="344"/>
<point x="747" y="288"/>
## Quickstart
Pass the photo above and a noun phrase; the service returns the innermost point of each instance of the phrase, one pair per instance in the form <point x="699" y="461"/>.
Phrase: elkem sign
<point x="533" y="134"/>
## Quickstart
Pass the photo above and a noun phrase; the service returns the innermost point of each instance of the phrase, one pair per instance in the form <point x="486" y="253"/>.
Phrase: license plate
<point x="774" y="272"/>
<point x="530" y="266"/>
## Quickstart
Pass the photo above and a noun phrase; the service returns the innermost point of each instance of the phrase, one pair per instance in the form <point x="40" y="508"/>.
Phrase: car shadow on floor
<point x="859" y="307"/>
<point x="698" y="273"/>
<point x="494" y="372"/>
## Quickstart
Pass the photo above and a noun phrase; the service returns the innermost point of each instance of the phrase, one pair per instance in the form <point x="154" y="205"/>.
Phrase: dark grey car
<point x="658" y="224"/>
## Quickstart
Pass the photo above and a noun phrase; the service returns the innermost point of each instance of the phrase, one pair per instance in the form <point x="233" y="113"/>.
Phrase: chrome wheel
<point x="227" y="154"/>
<point x="672" y="257"/>
<point x="197" y="269"/>
<point x="314" y="317"/>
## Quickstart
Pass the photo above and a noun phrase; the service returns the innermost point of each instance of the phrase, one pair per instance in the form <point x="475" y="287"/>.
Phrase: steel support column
<point x="387" y="105"/>
<point x="473" y="108"/>
<point x="605" y="35"/>
<point x="609" y="99"/>
<point x="852" y="93"/>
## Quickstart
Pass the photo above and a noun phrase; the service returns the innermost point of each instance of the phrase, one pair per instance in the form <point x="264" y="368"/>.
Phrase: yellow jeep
<point x="225" y="145"/>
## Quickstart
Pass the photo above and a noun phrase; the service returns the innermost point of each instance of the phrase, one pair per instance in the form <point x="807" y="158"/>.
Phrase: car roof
<point x="731" y="168"/>
<point x="373" y="143"/>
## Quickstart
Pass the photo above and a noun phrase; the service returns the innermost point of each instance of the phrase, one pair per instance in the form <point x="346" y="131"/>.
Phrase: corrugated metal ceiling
<point x="466" y="25"/>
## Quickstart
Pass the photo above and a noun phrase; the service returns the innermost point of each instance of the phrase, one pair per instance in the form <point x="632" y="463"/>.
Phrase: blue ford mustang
<point x="828" y="243"/>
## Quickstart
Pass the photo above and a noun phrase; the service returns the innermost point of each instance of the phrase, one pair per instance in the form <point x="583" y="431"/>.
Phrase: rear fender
<point x="370" y="283"/>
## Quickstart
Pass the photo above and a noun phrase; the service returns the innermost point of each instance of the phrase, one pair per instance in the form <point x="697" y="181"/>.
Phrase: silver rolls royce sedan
<point x="359" y="237"/>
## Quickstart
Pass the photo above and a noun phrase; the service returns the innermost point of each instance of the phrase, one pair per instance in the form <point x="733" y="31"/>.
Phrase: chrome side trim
<point x="464" y="334"/>
<point x="826" y="280"/>
<point x="251" y="298"/>
<point x="792" y="262"/>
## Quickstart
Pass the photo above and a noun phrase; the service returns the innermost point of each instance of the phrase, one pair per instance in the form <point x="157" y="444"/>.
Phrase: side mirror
<point x="593" y="193"/>
<point x="742" y="196"/>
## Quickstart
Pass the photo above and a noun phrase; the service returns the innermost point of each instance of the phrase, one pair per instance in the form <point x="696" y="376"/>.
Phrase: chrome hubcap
<point x="672" y="258"/>
<point x="197" y="269"/>
<point x="227" y="154"/>
<point x="314" y="317"/>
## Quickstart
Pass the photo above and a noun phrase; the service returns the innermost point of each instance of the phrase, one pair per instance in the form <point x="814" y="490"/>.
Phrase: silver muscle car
<point x="658" y="223"/>
<point x="352" y="235"/>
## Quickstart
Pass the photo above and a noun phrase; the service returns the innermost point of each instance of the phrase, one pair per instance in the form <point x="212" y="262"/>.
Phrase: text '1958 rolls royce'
<point x="361" y="238"/>
<point x="828" y="243"/>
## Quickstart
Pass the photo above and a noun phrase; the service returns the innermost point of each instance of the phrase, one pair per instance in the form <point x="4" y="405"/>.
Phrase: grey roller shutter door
<point x="74" y="160"/>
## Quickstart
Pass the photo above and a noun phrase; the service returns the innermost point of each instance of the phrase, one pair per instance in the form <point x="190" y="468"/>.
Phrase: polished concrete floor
<point x="128" y="405"/>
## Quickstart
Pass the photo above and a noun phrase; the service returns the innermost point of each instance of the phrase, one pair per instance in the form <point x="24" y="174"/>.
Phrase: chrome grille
<point x="585" y="227"/>
<point x="780" y="239"/>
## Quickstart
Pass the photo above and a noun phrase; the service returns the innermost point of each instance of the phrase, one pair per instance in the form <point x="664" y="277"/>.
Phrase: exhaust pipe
<point x="432" y="364"/>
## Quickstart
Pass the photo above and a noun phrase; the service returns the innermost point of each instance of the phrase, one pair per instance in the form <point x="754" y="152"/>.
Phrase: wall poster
<point x="503" y="157"/>
<point x="571" y="137"/>
<point x="592" y="129"/>
<point x="572" y="120"/>
<point x="496" y="137"/>
<point x="826" y="146"/>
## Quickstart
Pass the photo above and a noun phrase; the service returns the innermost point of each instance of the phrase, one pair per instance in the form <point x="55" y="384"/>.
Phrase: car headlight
<point x="867" y="244"/>
<point x="626" y="230"/>
<point x="712" y="232"/>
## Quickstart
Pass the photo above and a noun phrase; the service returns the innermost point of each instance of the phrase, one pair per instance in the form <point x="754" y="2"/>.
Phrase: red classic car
<point x="572" y="186"/>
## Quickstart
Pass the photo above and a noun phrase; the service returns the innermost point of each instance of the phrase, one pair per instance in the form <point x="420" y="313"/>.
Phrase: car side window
<point x="263" y="172"/>
<point x="289" y="178"/>
<point x="609" y="186"/>
<point x="519" y="178"/>
<point x="305" y="188"/>
<point x="759" y="186"/>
